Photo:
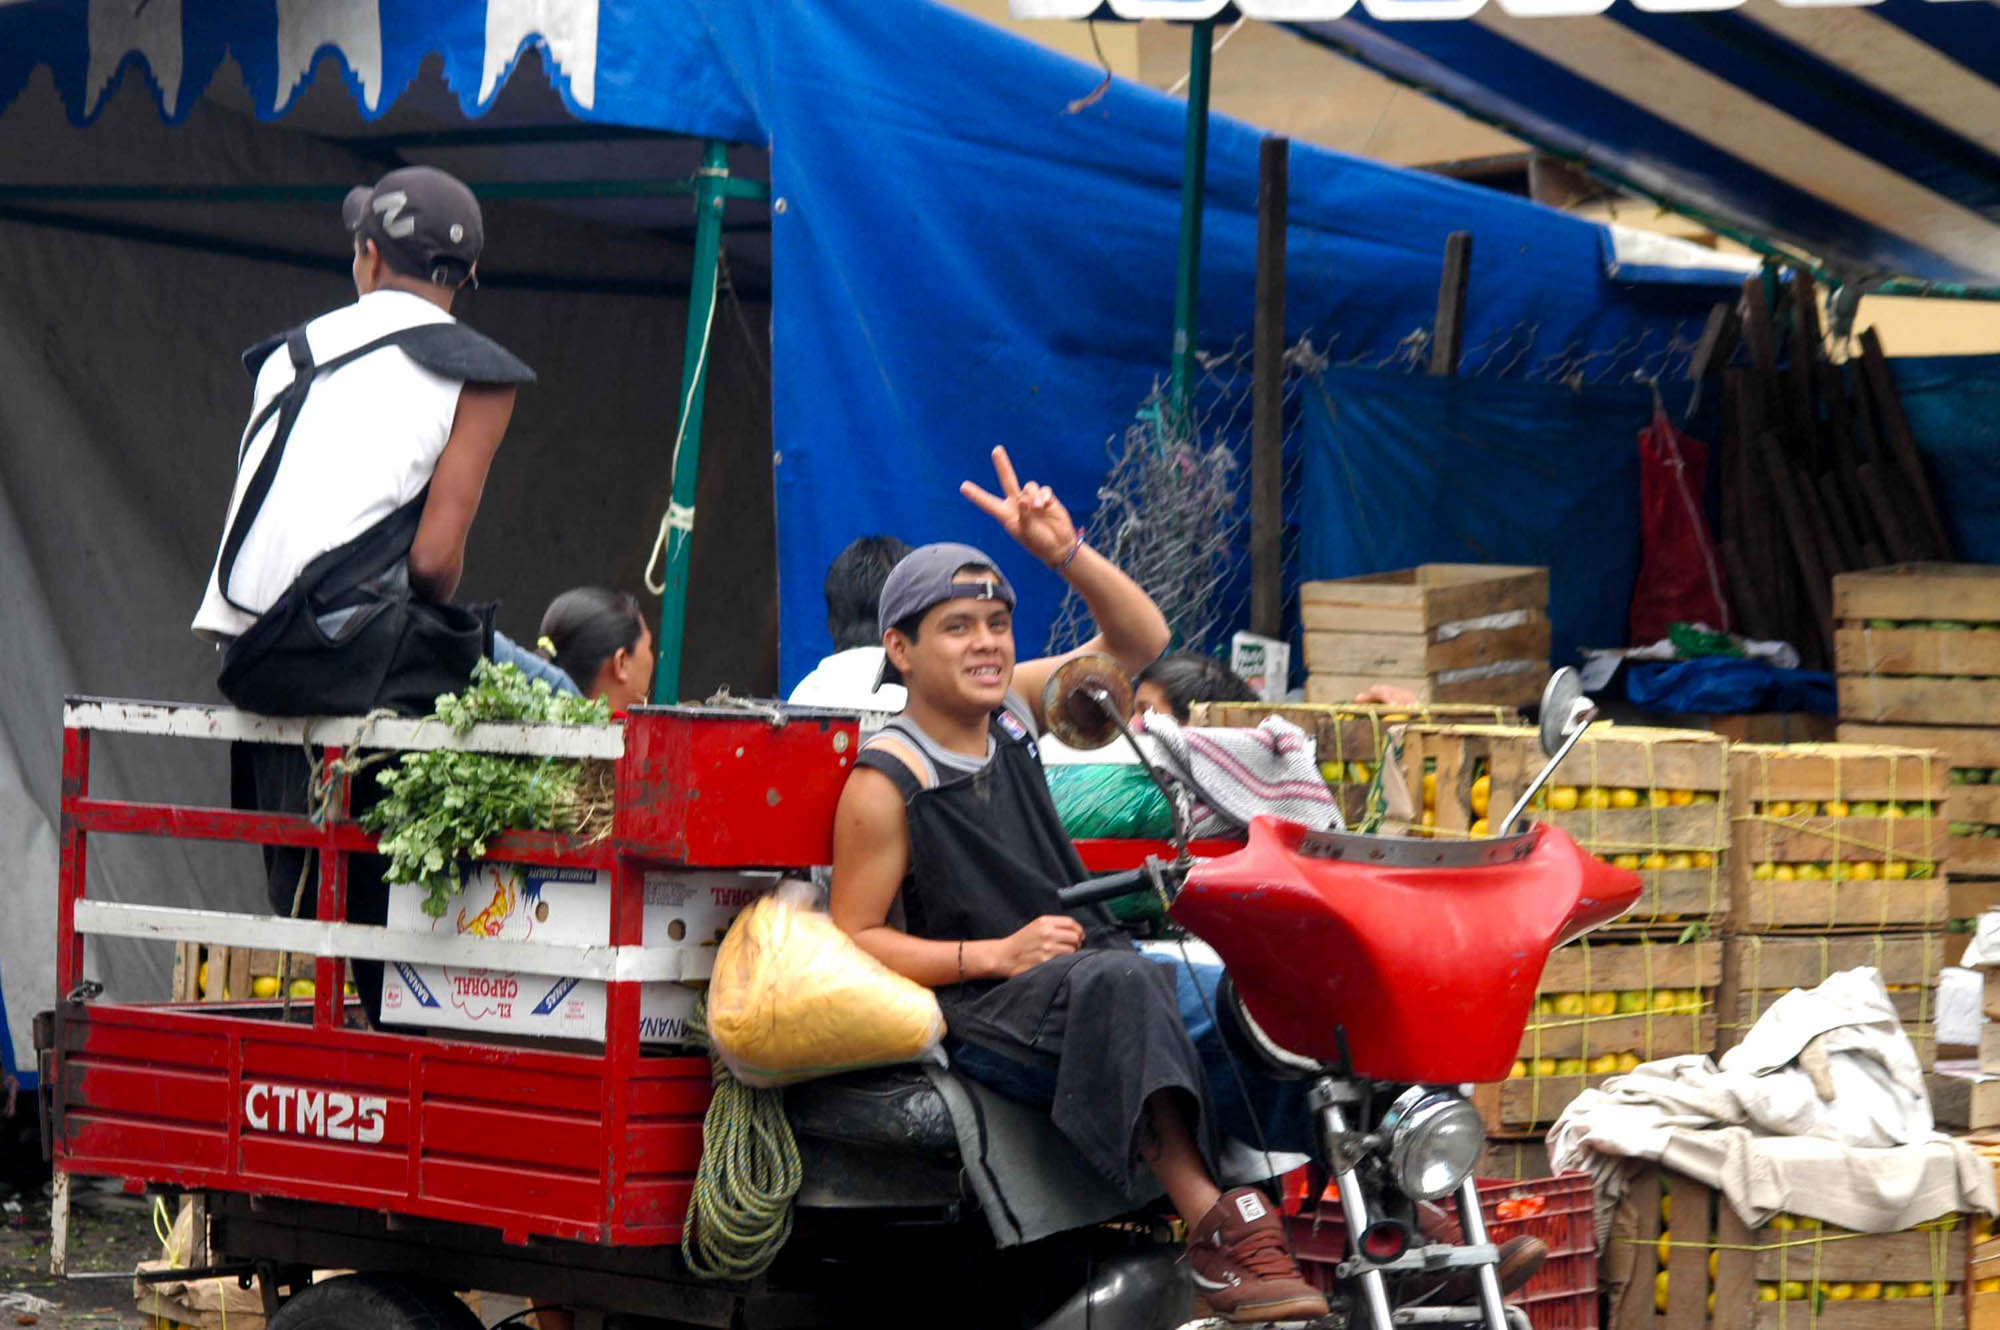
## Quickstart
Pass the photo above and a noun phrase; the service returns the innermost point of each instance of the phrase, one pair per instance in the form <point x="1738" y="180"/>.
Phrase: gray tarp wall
<point x="121" y="403"/>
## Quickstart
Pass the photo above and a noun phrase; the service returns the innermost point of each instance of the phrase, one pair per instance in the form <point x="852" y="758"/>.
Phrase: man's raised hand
<point x="1030" y="513"/>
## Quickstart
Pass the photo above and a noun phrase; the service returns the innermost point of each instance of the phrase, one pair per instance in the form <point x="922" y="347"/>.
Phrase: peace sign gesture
<point x="1031" y="513"/>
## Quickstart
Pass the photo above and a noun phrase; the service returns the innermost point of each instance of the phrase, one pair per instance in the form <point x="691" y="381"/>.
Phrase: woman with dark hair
<point x="600" y="639"/>
<point x="1176" y="681"/>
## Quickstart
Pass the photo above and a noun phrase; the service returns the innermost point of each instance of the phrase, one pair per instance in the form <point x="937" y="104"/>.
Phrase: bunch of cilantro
<point x="443" y="807"/>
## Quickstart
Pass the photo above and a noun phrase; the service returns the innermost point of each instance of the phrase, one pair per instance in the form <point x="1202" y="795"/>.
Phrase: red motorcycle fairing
<point x="1430" y="970"/>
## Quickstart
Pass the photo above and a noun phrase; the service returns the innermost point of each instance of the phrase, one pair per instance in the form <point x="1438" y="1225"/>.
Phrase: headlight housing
<point x="1435" y="1137"/>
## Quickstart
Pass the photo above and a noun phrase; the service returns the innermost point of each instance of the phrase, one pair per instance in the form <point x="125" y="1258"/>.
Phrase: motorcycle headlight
<point x="1435" y="1137"/>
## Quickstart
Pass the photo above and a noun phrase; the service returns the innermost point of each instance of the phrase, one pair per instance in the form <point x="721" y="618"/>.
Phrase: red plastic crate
<point x="1562" y="1297"/>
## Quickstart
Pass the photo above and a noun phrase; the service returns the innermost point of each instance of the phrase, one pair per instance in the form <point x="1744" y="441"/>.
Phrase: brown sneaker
<point x="1243" y="1267"/>
<point x="1521" y="1259"/>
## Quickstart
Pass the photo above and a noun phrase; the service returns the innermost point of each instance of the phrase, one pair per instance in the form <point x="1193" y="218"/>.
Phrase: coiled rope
<point x="741" y="1213"/>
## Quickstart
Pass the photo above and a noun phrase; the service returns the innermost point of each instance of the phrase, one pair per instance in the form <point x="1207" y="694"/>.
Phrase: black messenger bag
<point x="350" y="635"/>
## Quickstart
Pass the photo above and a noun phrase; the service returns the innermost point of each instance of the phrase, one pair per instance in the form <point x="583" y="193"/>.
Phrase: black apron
<point x="988" y="855"/>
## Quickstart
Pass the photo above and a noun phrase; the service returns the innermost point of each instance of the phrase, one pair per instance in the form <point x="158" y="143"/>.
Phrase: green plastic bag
<point x="1109" y="800"/>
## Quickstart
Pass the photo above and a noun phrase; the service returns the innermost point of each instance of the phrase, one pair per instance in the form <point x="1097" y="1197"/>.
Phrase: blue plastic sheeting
<point x="1953" y="403"/>
<point x="960" y="259"/>
<point x="1726" y="686"/>
<point x="1400" y="470"/>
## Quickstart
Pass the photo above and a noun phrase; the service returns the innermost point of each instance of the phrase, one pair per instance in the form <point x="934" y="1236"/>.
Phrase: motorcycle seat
<point x="878" y="1138"/>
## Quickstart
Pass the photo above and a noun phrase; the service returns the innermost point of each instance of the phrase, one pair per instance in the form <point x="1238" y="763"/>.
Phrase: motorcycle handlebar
<point x="1092" y="890"/>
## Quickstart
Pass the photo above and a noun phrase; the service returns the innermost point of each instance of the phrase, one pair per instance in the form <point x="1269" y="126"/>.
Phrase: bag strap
<point x="287" y="405"/>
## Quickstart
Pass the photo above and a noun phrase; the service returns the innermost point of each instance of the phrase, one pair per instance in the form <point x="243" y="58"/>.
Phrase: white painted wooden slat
<point x="312" y="937"/>
<point x="105" y="715"/>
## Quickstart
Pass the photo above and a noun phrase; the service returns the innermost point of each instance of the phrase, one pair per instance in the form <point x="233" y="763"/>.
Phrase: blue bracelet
<point x="1070" y="558"/>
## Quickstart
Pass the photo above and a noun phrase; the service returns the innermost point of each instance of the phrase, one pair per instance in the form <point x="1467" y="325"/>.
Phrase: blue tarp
<point x="959" y="260"/>
<point x="1953" y="403"/>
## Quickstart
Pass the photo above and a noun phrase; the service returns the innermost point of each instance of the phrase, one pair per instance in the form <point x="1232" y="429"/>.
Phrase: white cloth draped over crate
<point x="1821" y="1111"/>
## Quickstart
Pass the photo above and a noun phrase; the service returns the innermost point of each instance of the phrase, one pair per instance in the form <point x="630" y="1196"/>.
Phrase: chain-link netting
<point x="1173" y="510"/>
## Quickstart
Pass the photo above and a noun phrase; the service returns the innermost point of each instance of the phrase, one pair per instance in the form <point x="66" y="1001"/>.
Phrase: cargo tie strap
<point x="741" y="1213"/>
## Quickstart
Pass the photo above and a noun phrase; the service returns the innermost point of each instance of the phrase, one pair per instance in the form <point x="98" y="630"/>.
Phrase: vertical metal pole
<point x="708" y="203"/>
<point x="1194" y="182"/>
<point x="1267" y="392"/>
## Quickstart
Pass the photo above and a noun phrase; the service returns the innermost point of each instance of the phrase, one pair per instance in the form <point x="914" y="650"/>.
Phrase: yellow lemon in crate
<point x="1627" y="1061"/>
<point x="1359" y="773"/>
<point x="1569" y="1066"/>
<point x="1430" y="819"/>
<point x="1654" y="861"/>
<point x="264" y="986"/>
<point x="1430" y="789"/>
<point x="1659" y="798"/>
<point x="1662" y="1247"/>
<point x="1763" y="872"/>
<point x="1660" y="1290"/>
<point x="1703" y="859"/>
<point x="1714" y="1258"/>
<point x="1624" y="798"/>
<point x="1604" y="1064"/>
<point x="1632" y="1001"/>
<point x="1784" y="873"/>
<point x="1919" y="1289"/>
<point x="1569" y="1004"/>
<point x="1562" y="798"/>
<point x="304" y="988"/>
<point x="1680" y="798"/>
<point x="1545" y="1066"/>
<point x="1864" y="871"/>
<point x="1783" y="1223"/>
<point x="1867" y="1292"/>
<point x="1601" y="1004"/>
<point x="1666" y="1205"/>
<point x="1666" y="999"/>
<point x="1987" y="1286"/>
<point x="1767" y="1292"/>
<point x="1628" y="861"/>
<point x="1777" y="808"/>
<point x="1810" y="873"/>
<point x="1895" y="871"/>
<point x="1482" y="795"/>
<point x="1837" y="808"/>
<point x="1922" y="869"/>
<point x="1478" y="829"/>
<point x="1517" y="1071"/>
<point x="1545" y="1005"/>
<point x="1893" y="1291"/>
<point x="1793" y="1290"/>
<point x="1680" y="861"/>
<point x="1896" y="811"/>
<point x="1331" y="772"/>
<point x="1595" y="797"/>
<point x="1840" y="1292"/>
<point x="1805" y="808"/>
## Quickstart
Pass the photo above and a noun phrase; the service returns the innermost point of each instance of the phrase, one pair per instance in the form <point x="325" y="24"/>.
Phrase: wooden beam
<point x="1450" y="332"/>
<point x="1902" y="444"/>
<point x="1267" y="392"/>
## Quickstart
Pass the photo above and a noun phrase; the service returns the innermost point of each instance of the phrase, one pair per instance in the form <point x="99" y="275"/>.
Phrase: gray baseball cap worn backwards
<point x="425" y="221"/>
<point x="929" y="576"/>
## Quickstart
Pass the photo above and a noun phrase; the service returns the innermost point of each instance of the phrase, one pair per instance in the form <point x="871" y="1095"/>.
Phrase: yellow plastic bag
<point x="794" y="998"/>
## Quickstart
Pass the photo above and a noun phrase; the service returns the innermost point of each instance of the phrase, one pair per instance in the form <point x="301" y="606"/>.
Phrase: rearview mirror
<point x="1565" y="710"/>
<point x="1086" y="701"/>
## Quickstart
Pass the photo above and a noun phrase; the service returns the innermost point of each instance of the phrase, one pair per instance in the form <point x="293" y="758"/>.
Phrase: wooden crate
<point x="1759" y="969"/>
<point x="1515" y="1158"/>
<point x="1965" y="1098"/>
<point x="1895" y="663"/>
<point x="1812" y="870"/>
<point x="1677" y="847"/>
<point x="1973" y="751"/>
<point x="1349" y="738"/>
<point x="1700" y="1222"/>
<point x="1529" y="1102"/>
<point x="230" y="972"/>
<point x="1447" y="632"/>
<point x="1686" y="974"/>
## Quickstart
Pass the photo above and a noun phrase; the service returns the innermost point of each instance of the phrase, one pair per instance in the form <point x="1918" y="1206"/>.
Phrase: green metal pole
<point x="1194" y="181"/>
<point x="710" y="190"/>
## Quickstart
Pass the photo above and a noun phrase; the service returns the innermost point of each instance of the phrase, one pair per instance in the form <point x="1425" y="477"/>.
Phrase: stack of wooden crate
<point x="1680" y="1258"/>
<point x="204" y="973"/>
<point x="1643" y="988"/>
<point x="1349" y="738"/>
<point x="1839" y="860"/>
<point x="1918" y="650"/>
<point x="1445" y="632"/>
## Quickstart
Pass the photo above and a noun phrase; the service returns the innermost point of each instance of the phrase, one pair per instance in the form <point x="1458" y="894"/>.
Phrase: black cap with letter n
<point x="425" y="222"/>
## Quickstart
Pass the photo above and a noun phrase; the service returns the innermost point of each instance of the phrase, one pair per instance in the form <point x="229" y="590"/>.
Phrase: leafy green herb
<point x="443" y="807"/>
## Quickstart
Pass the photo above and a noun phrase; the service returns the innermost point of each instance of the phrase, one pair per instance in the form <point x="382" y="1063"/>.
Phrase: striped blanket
<point x="1233" y="775"/>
